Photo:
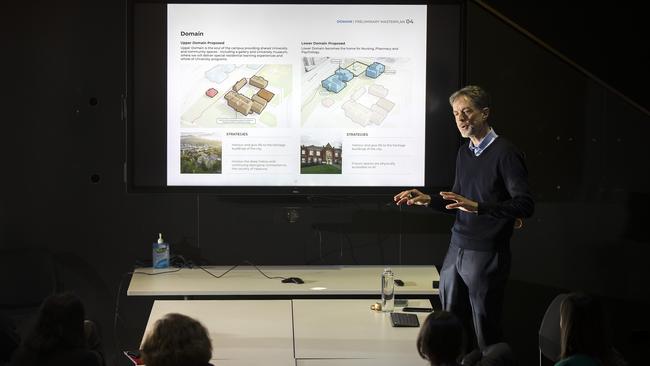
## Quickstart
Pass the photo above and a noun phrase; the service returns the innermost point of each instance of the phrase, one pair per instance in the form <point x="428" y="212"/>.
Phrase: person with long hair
<point x="177" y="339"/>
<point x="583" y="337"/>
<point x="59" y="336"/>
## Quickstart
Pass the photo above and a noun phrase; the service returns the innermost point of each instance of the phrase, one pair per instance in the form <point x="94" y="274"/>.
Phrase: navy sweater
<point x="498" y="180"/>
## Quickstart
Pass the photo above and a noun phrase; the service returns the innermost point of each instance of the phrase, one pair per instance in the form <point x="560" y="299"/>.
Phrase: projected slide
<point x="296" y="95"/>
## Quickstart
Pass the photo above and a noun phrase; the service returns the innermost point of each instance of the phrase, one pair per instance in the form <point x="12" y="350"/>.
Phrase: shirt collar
<point x="484" y="143"/>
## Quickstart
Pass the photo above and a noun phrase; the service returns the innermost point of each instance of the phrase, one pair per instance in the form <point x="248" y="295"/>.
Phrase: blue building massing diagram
<point x="337" y="82"/>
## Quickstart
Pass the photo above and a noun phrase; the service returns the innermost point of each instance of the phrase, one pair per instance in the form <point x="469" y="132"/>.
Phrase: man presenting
<point x="489" y="196"/>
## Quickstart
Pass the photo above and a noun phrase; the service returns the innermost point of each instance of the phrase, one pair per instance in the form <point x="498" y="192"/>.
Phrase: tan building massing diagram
<point x="244" y="104"/>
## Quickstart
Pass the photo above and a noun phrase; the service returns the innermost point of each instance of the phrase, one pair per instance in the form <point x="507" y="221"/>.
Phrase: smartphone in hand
<point x="135" y="357"/>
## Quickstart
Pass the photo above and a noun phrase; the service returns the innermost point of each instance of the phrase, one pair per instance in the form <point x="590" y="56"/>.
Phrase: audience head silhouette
<point x="177" y="339"/>
<point x="441" y="338"/>
<point x="60" y="336"/>
<point x="60" y="324"/>
<point x="582" y="330"/>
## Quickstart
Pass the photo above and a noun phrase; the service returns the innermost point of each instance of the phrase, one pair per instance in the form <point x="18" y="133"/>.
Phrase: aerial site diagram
<point x="354" y="92"/>
<point x="233" y="95"/>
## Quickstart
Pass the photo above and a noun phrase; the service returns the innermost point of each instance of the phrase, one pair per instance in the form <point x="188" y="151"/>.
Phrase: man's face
<point x="469" y="119"/>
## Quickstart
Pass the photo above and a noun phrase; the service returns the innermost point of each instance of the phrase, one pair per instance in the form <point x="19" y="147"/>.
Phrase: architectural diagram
<point x="237" y="96"/>
<point x="351" y="92"/>
<point x="338" y="81"/>
<point x="256" y="103"/>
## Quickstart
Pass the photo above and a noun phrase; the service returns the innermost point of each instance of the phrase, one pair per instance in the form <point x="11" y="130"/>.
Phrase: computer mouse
<point x="399" y="282"/>
<point x="297" y="280"/>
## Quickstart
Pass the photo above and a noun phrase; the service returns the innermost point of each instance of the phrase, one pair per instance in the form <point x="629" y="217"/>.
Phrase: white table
<point x="247" y="281"/>
<point x="243" y="332"/>
<point x="360" y="362"/>
<point x="305" y="332"/>
<point x="348" y="329"/>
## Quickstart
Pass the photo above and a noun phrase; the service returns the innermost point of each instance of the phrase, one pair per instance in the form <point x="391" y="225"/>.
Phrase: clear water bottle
<point x="387" y="290"/>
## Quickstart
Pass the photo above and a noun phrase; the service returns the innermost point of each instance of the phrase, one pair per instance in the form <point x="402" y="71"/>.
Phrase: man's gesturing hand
<point x="460" y="202"/>
<point x="412" y="197"/>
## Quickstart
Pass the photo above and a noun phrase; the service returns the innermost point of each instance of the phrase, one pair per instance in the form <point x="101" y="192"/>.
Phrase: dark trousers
<point x="472" y="285"/>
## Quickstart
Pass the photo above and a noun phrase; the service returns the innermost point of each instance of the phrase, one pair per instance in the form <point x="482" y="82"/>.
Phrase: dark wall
<point x="585" y="166"/>
<point x="587" y="169"/>
<point x="606" y="39"/>
<point x="63" y="189"/>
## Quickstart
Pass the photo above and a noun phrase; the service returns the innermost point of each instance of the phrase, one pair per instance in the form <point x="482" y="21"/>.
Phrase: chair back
<point x="549" y="331"/>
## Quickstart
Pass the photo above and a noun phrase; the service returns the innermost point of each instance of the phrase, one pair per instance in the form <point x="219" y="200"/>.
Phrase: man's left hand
<point x="460" y="202"/>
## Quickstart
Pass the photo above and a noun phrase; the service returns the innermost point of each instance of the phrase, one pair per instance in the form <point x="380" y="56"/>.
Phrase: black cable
<point x="365" y="245"/>
<point x="208" y="272"/>
<point x="347" y="236"/>
<point x="401" y="229"/>
<point x="264" y="274"/>
<point x="156" y="273"/>
<point x="320" y="246"/>
<point x="219" y="276"/>
<point x="356" y="246"/>
<point x="237" y="265"/>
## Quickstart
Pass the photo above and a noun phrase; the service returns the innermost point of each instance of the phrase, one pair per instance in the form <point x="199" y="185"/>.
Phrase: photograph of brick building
<point x="320" y="159"/>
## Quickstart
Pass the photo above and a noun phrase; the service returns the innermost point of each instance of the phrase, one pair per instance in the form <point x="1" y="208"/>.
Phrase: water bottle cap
<point x="160" y="239"/>
<point x="387" y="269"/>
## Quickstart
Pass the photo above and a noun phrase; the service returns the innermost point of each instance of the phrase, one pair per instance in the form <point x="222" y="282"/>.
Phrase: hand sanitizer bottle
<point x="160" y="253"/>
<point x="387" y="290"/>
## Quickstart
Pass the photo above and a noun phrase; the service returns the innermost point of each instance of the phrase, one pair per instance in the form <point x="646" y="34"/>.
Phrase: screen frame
<point x="432" y="180"/>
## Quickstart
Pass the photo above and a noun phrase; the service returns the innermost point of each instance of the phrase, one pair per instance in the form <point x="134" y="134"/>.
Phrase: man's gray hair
<point x="479" y="97"/>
